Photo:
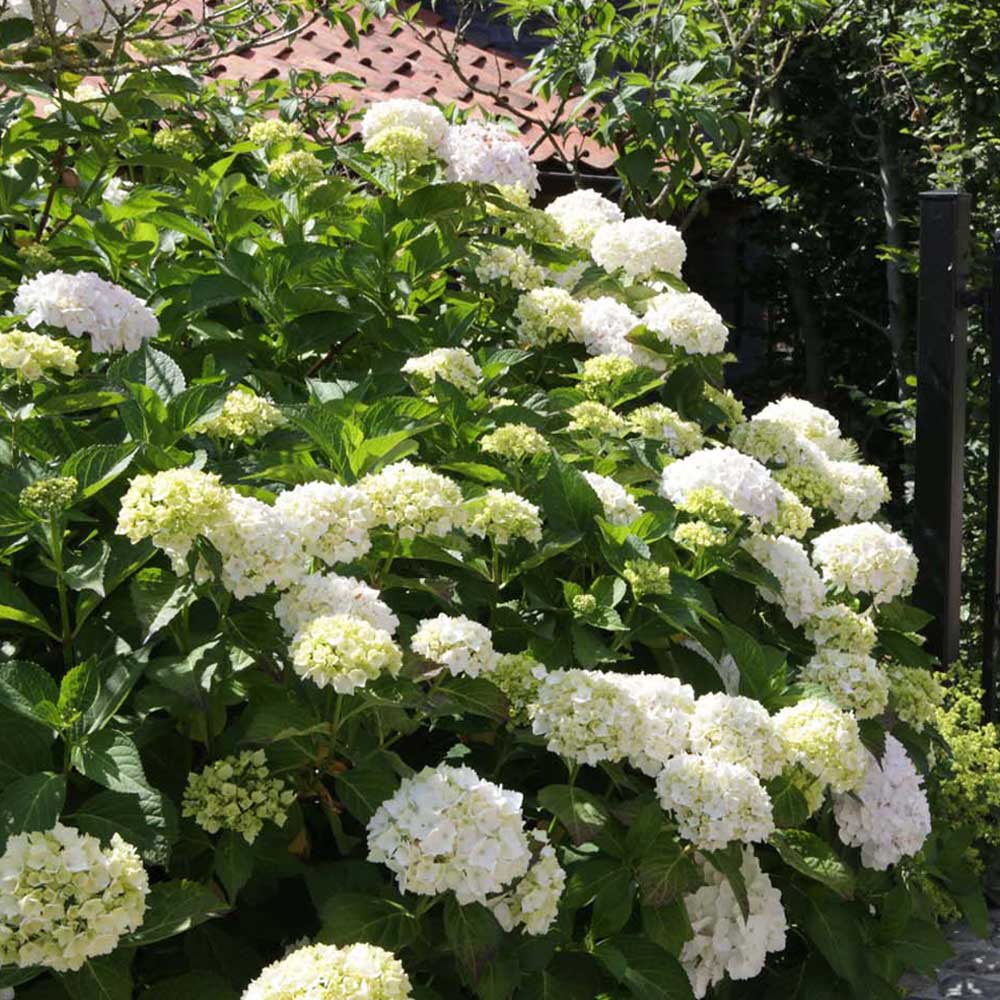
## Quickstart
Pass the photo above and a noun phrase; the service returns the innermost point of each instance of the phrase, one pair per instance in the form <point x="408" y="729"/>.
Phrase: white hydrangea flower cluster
<point x="639" y="247"/>
<point x="343" y="652"/>
<point x="117" y="191"/>
<point x="660" y="423"/>
<point x="825" y="741"/>
<point x="327" y="521"/>
<point x="813" y="422"/>
<point x="596" y="419"/>
<point x="65" y="899"/>
<point x="534" y="902"/>
<point x="581" y="213"/>
<point x="317" y="594"/>
<point x="714" y="801"/>
<point x="724" y="943"/>
<point x="273" y="130"/>
<point x="519" y="676"/>
<point x="512" y="266"/>
<point x="600" y="374"/>
<point x="447" y="829"/>
<point x="400" y="112"/>
<point x="915" y="695"/>
<point x="325" y="972"/>
<point x="85" y="303"/>
<point x="619" y="507"/>
<point x="546" y="315"/>
<point x="503" y="516"/>
<point x="486" y="153"/>
<point x="590" y="716"/>
<point x="412" y="500"/>
<point x="856" y="683"/>
<point x="738" y="730"/>
<point x="244" y="415"/>
<point x="172" y="508"/>
<point x="741" y="480"/>
<point x="237" y="793"/>
<point x="252" y="539"/>
<point x="452" y="364"/>
<point x="514" y="442"/>
<point x="33" y="355"/>
<point x="866" y="559"/>
<point x="456" y="643"/>
<point x="802" y="591"/>
<point x="686" y="321"/>
<point x="860" y="490"/>
<point x="603" y="327"/>
<point x="888" y="817"/>
<point x="836" y="626"/>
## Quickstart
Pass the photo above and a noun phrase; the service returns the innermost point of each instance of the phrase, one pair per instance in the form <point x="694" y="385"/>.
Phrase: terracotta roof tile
<point x="400" y="63"/>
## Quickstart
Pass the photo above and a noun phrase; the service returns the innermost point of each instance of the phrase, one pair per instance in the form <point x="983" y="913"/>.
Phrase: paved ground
<point x="974" y="971"/>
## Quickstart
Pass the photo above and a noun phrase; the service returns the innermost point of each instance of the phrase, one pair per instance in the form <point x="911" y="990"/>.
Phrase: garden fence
<point x="945" y="298"/>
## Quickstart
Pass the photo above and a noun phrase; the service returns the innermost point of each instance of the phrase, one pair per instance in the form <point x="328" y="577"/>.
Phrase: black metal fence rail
<point x="942" y="324"/>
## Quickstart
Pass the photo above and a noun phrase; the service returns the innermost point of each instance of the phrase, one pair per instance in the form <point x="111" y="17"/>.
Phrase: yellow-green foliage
<point x="970" y="786"/>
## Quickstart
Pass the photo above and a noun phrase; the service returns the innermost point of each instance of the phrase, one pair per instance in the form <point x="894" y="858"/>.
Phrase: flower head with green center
<point x="504" y="516"/>
<point x="836" y="626"/>
<point x="514" y="442"/>
<point x="237" y="793"/>
<point x="413" y="501"/>
<point x="596" y="420"/>
<point x="600" y="375"/>
<point x="178" y="141"/>
<point x="866" y="559"/>
<point x="296" y="166"/>
<point x="325" y="972"/>
<point x="512" y="266"/>
<point x="343" y="652"/>
<point x="36" y="257"/>
<point x="172" y="508"/>
<point x="403" y="145"/>
<point x="519" y="676"/>
<point x="708" y="504"/>
<point x="646" y="578"/>
<point x="855" y="683"/>
<point x="273" y="130"/>
<point x="244" y="415"/>
<point x="736" y="729"/>
<point x="825" y="741"/>
<point x="65" y="899"/>
<point x="49" y="496"/>
<point x="730" y="407"/>
<point x="696" y="536"/>
<point x="544" y="316"/>
<point x="915" y="695"/>
<point x="660" y="423"/>
<point x="34" y="355"/>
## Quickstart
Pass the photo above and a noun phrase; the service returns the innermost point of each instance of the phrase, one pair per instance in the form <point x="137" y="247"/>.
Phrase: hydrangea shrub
<point x="395" y="603"/>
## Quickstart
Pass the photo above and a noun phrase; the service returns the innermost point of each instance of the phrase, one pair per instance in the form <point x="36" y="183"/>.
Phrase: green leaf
<point x="472" y="695"/>
<point x="16" y="607"/>
<point x="174" y="907"/>
<point x="279" y="717"/>
<point x="568" y="502"/>
<point x="27" y="689"/>
<point x="665" y="870"/>
<point x="762" y="670"/>
<point x="789" y="804"/>
<point x="112" y="760"/>
<point x="366" y="786"/>
<point x="25" y="747"/>
<point x="834" y="929"/>
<point x="234" y="860"/>
<point x="196" y="404"/>
<point x="31" y="803"/>
<point x="647" y="970"/>
<point x="814" y="858"/>
<point x="613" y="904"/>
<point x="473" y="935"/>
<point x="199" y="985"/>
<point x="97" y="465"/>
<point x="668" y="926"/>
<point x="583" y="815"/>
<point x="904" y="649"/>
<point x="922" y="946"/>
<point x="729" y="862"/>
<point x="152" y="368"/>
<point x="147" y="821"/>
<point x="213" y="290"/>
<point x="159" y="597"/>
<point x="902" y="617"/>
<point x="114" y="679"/>
<point x="106" y="978"/>
<point x="87" y="572"/>
<point x="348" y="917"/>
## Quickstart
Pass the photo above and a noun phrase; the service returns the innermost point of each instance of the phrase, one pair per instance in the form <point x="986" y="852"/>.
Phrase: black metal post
<point x="942" y="323"/>
<point x="991" y="611"/>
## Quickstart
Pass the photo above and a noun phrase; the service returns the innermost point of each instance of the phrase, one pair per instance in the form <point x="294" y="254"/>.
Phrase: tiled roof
<point x="398" y="62"/>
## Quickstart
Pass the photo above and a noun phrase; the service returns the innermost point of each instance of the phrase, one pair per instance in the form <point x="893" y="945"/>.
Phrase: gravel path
<point x="973" y="971"/>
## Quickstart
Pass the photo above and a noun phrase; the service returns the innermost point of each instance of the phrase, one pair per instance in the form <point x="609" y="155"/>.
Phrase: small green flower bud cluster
<point x="49" y="496"/>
